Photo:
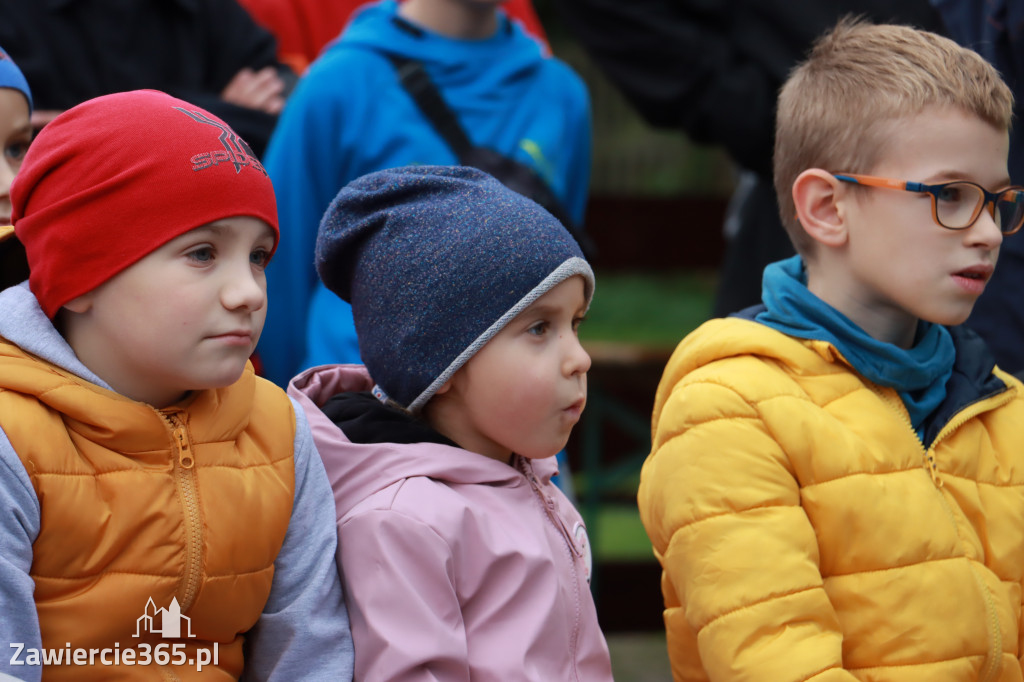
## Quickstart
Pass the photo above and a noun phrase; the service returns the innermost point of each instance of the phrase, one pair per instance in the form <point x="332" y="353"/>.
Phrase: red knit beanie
<point x="116" y="177"/>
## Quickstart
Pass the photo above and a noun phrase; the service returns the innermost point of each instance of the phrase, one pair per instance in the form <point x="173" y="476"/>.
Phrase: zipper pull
<point x="184" y="450"/>
<point x="933" y="470"/>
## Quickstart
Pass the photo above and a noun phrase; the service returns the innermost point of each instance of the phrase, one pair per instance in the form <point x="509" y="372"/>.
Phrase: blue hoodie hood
<point x="489" y="69"/>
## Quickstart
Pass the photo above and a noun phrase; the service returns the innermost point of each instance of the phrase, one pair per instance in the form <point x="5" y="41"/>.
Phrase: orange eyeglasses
<point x="957" y="205"/>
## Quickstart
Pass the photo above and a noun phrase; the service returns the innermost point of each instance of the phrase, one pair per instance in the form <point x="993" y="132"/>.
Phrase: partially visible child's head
<point x="15" y="128"/>
<point x="466" y="297"/>
<point x="464" y="20"/>
<point x="15" y="136"/>
<point x="838" y="108"/>
<point x="147" y="224"/>
<point x="12" y="78"/>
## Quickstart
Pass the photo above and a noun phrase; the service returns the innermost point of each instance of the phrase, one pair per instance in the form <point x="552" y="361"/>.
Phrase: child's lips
<point x="982" y="271"/>
<point x="974" y="278"/>
<point x="234" y="337"/>
<point x="576" y="409"/>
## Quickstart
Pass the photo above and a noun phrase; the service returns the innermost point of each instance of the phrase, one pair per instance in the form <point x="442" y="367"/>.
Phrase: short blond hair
<point x="836" y="108"/>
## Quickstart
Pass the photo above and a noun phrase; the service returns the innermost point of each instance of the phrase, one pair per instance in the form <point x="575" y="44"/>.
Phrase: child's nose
<point x="577" y="360"/>
<point x="985" y="231"/>
<point x="244" y="288"/>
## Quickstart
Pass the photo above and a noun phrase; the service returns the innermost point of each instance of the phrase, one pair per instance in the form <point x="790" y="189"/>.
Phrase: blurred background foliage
<point x="643" y="306"/>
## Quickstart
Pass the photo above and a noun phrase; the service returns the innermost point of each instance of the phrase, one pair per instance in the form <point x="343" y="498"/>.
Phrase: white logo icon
<point x="163" y="622"/>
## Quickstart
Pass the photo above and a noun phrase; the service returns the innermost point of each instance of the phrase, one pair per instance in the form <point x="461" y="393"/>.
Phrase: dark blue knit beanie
<point x="435" y="261"/>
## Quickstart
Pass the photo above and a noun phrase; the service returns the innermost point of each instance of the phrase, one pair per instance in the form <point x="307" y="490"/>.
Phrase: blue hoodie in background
<point x="349" y="116"/>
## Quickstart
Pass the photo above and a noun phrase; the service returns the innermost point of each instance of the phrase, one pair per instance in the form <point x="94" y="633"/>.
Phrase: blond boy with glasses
<point x="836" y="485"/>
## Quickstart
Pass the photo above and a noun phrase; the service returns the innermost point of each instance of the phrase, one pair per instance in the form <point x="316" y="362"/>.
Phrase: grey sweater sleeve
<point x="19" y="527"/>
<point x="304" y="632"/>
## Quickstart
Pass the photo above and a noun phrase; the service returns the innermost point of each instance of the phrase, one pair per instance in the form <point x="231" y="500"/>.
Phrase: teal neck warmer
<point x="919" y="374"/>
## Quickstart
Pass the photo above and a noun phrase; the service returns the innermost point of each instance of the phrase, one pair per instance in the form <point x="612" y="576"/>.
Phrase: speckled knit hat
<point x="435" y="261"/>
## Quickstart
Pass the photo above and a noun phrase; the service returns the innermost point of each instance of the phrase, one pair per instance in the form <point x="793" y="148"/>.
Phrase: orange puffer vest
<point x="137" y="504"/>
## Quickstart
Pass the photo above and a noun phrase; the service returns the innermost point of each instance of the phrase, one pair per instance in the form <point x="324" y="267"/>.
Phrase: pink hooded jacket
<point x="456" y="566"/>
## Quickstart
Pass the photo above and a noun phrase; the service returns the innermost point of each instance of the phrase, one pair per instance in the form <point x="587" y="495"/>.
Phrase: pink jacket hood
<point x="457" y="567"/>
<point x="369" y="468"/>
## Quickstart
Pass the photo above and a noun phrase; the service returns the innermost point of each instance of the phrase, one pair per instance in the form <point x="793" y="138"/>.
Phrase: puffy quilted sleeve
<point x="743" y="591"/>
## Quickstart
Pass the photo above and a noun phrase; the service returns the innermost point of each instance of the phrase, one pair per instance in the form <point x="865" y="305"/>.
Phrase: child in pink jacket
<point x="461" y="560"/>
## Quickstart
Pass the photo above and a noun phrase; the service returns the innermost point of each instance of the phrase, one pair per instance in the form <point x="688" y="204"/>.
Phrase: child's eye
<point x="538" y="328"/>
<point x="16" y="151"/>
<point x="577" y="321"/>
<point x="953" y="193"/>
<point x="259" y="258"/>
<point x="203" y="254"/>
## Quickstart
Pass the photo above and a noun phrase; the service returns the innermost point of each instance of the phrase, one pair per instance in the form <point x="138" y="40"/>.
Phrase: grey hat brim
<point x="571" y="267"/>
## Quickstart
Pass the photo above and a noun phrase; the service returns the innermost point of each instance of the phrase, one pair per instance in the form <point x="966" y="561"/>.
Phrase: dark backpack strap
<point x="514" y="174"/>
<point x="417" y="83"/>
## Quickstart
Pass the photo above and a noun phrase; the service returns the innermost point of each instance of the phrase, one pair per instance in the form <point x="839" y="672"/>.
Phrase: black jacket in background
<point x="712" y="69"/>
<point x="74" y="50"/>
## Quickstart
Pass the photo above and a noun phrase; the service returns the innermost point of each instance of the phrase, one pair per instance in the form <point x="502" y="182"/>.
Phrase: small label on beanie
<point x="379" y="394"/>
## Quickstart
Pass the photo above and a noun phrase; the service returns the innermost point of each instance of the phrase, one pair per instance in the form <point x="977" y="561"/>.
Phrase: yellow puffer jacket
<point x="805" y="531"/>
<point x="186" y="503"/>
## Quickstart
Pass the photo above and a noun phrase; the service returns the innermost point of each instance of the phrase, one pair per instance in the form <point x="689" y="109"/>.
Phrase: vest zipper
<point x="188" y="493"/>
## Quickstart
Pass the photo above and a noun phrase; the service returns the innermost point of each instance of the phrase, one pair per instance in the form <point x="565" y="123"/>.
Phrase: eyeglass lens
<point x="1010" y="211"/>
<point x="958" y="204"/>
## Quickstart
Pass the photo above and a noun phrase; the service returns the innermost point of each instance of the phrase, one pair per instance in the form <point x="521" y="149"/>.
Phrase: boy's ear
<point x="819" y="206"/>
<point x="79" y="304"/>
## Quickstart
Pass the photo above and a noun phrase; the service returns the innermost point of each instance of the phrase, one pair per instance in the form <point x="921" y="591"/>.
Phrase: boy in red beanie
<point x="162" y="510"/>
